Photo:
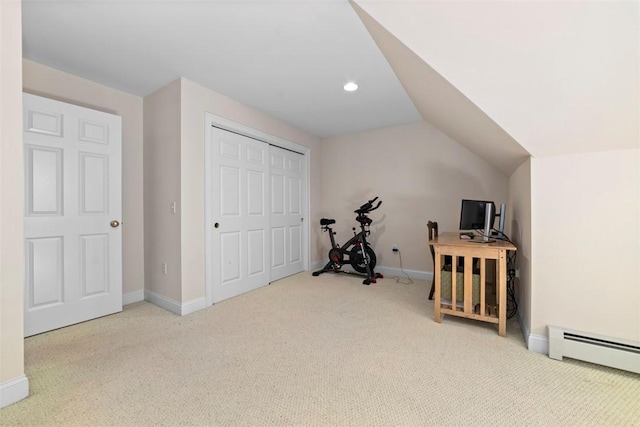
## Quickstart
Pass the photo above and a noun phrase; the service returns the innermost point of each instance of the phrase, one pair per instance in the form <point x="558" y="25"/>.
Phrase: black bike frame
<point x="359" y="240"/>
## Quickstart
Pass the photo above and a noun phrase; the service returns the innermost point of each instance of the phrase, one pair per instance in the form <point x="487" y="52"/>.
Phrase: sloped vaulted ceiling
<point x="557" y="77"/>
<point x="444" y="106"/>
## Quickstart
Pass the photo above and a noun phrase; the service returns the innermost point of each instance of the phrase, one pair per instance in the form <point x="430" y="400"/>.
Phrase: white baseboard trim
<point x="131" y="297"/>
<point x="535" y="343"/>
<point x="389" y="272"/>
<point x="316" y="265"/>
<point x="193" y="306"/>
<point x="161" y="301"/>
<point x="538" y="344"/>
<point x="181" y="309"/>
<point x="386" y="271"/>
<point x="14" y="390"/>
<point x="523" y="328"/>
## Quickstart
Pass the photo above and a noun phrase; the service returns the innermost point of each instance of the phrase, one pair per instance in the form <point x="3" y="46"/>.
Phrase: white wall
<point x="586" y="243"/>
<point x="436" y="99"/>
<point x="13" y="384"/>
<point x="519" y="220"/>
<point x="48" y="82"/>
<point x="419" y="173"/>
<point x="559" y="77"/>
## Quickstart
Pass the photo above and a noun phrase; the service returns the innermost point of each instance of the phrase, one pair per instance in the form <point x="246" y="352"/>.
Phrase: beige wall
<point x="11" y="196"/>
<point x="174" y="119"/>
<point x="48" y="82"/>
<point x="519" y="226"/>
<point x="586" y="243"/>
<point x="419" y="173"/>
<point x="162" y="187"/>
<point x="196" y="100"/>
<point x="532" y="84"/>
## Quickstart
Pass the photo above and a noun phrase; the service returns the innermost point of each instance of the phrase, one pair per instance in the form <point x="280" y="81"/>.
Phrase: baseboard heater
<point x="613" y="352"/>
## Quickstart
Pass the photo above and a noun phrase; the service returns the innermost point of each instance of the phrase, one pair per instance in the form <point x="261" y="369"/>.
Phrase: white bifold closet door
<point x="287" y="220"/>
<point x="73" y="238"/>
<point x="240" y="213"/>
<point x="255" y="199"/>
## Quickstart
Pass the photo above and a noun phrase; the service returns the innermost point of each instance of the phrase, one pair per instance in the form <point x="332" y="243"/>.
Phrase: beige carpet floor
<point x="310" y="351"/>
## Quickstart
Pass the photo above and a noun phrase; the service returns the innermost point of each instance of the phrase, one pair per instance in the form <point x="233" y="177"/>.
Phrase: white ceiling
<point x="443" y="105"/>
<point x="289" y="59"/>
<point x="560" y="77"/>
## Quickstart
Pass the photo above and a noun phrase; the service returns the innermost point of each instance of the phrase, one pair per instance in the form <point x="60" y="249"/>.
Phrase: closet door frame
<point x="212" y="120"/>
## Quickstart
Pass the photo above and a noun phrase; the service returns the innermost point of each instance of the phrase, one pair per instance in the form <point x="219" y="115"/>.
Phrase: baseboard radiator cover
<point x="606" y="351"/>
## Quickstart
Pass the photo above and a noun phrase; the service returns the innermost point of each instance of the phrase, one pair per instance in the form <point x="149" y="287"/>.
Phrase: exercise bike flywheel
<point x="336" y="256"/>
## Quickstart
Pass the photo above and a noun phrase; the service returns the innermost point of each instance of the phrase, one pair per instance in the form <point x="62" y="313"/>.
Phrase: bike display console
<point x="356" y="252"/>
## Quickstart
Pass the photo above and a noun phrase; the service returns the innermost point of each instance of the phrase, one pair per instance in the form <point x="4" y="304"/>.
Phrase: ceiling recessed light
<point x="350" y="87"/>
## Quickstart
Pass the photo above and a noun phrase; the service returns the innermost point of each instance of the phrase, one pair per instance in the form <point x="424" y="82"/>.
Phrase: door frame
<point x="211" y="120"/>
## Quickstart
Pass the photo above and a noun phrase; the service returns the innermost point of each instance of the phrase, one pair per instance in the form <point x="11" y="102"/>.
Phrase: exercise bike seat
<point x="327" y="221"/>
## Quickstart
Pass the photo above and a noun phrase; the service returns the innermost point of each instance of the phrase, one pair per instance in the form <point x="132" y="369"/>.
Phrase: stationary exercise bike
<point x="356" y="251"/>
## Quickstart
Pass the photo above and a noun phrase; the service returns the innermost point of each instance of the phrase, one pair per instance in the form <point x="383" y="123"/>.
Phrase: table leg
<point x="437" y="268"/>
<point x="502" y="293"/>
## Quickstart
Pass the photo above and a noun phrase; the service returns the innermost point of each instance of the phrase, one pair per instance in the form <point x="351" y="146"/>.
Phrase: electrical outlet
<point x="164" y="268"/>
<point x="394" y="248"/>
<point x="517" y="272"/>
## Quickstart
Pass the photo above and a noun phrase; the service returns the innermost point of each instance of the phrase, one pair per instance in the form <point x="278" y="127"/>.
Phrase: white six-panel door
<point x="287" y="170"/>
<point x="239" y="220"/>
<point x="73" y="249"/>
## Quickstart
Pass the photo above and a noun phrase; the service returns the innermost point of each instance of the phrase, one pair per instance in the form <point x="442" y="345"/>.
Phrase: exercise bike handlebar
<point x="368" y="207"/>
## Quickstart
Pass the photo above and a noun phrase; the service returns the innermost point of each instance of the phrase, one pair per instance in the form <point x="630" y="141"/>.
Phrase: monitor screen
<point x="472" y="214"/>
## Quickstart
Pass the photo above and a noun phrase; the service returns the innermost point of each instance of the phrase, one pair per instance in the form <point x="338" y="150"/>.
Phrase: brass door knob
<point x="114" y="223"/>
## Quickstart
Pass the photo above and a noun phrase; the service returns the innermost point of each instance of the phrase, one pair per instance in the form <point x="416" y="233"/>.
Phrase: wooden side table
<point x="449" y="243"/>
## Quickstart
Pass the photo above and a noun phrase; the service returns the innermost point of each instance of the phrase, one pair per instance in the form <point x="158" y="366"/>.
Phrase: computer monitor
<point x="472" y="214"/>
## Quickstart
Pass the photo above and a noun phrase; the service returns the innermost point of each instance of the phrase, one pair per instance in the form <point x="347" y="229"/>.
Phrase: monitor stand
<point x="500" y="233"/>
<point x="488" y="220"/>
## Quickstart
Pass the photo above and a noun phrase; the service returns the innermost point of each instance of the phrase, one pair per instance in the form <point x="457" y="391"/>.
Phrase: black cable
<point x="502" y="236"/>
<point x="497" y="236"/>
<point x="409" y="280"/>
<point x="512" y="303"/>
